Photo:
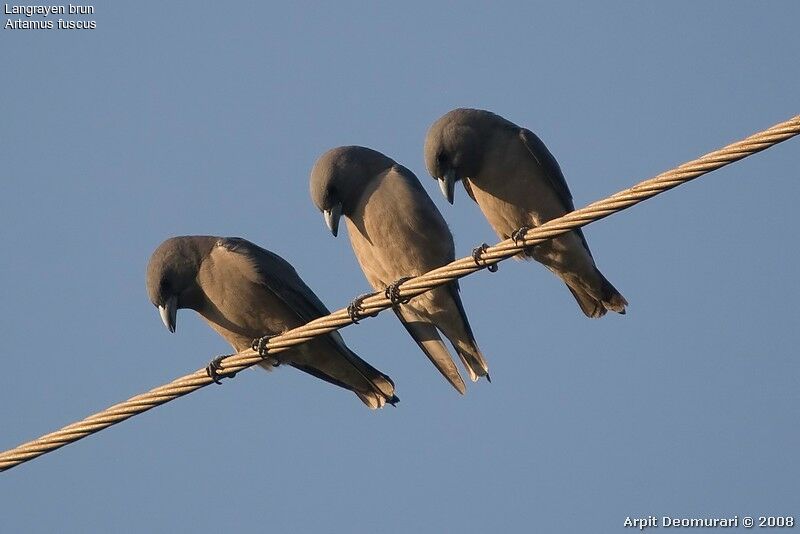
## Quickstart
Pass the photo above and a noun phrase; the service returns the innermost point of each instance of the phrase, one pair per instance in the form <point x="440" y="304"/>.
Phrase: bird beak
<point x="169" y="312"/>
<point x="447" y="184"/>
<point x="332" y="218"/>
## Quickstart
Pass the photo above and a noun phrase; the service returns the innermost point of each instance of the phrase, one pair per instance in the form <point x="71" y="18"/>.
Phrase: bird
<point x="246" y="293"/>
<point x="396" y="232"/>
<point x="517" y="183"/>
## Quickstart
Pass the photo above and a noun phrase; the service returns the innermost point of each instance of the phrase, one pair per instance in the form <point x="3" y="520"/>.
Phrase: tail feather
<point x="382" y="383"/>
<point x="375" y="401"/>
<point x="590" y="306"/>
<point x="568" y="257"/>
<point x="466" y="347"/>
<point x="473" y="361"/>
<point x="383" y="386"/>
<point x="329" y="359"/>
<point x="372" y="400"/>
<point x="468" y="365"/>
<point x="595" y="303"/>
<point x="428" y="339"/>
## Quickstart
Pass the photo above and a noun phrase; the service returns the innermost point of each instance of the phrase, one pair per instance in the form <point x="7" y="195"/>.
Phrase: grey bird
<point x="245" y="292"/>
<point x="518" y="184"/>
<point x="396" y="231"/>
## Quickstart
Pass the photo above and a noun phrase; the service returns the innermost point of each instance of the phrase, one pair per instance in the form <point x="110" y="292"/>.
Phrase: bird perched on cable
<point x="518" y="185"/>
<point x="245" y="292"/>
<point x="396" y="232"/>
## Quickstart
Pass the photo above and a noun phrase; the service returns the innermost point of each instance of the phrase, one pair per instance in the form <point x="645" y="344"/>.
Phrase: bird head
<point x="172" y="276"/>
<point x="339" y="178"/>
<point x="453" y="148"/>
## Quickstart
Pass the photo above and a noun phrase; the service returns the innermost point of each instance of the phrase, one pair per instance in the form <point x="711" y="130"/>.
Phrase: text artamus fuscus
<point x="42" y="17"/>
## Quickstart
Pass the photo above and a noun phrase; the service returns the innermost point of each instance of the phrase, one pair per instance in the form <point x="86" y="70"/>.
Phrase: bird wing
<point x="553" y="173"/>
<point x="433" y="240"/>
<point x="468" y="188"/>
<point x="549" y="165"/>
<point x="277" y="275"/>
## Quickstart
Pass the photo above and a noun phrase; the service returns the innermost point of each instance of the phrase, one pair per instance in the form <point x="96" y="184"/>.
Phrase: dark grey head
<point x="172" y="275"/>
<point x="454" y="145"/>
<point x="339" y="177"/>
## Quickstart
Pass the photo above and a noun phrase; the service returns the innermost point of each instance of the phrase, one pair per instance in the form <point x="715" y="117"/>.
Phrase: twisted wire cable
<point x="410" y="288"/>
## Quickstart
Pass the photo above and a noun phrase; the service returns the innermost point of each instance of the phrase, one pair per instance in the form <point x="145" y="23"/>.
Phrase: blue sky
<point x="197" y="118"/>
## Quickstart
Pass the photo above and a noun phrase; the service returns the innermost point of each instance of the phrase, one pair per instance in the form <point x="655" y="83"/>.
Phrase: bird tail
<point x="383" y="386"/>
<point x="473" y="360"/>
<point x="428" y="339"/>
<point x="594" y="302"/>
<point x="464" y="343"/>
<point x="344" y="368"/>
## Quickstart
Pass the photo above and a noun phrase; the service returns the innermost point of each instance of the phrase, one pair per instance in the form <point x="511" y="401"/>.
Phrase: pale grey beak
<point x="169" y="312"/>
<point x="447" y="184"/>
<point x="332" y="218"/>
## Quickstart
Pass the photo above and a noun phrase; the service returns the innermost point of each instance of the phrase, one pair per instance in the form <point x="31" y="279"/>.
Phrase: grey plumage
<point x="517" y="182"/>
<point x="245" y="292"/>
<point x="396" y="230"/>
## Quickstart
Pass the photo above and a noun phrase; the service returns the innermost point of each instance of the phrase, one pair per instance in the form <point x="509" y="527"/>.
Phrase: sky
<point x="201" y="118"/>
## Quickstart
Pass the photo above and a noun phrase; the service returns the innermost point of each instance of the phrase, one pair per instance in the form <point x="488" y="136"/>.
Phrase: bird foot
<point x="260" y="346"/>
<point x="519" y="234"/>
<point x="212" y="369"/>
<point x="476" y="257"/>
<point x="392" y="292"/>
<point x="354" y="309"/>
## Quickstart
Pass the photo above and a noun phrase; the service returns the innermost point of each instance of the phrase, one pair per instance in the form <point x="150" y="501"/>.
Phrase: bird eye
<point x="331" y="197"/>
<point x="440" y="157"/>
